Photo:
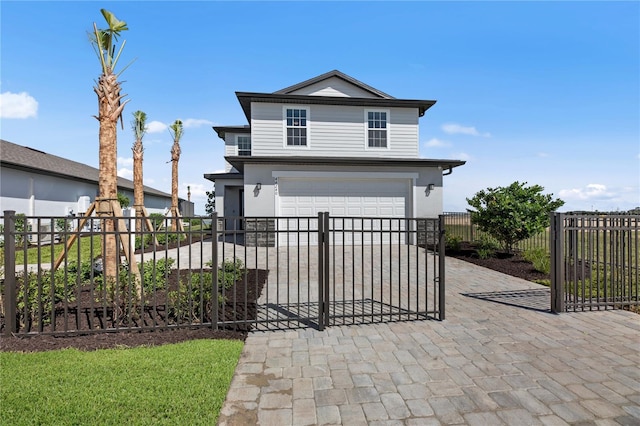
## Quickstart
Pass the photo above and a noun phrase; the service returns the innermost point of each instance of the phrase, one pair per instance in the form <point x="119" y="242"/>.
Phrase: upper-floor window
<point x="377" y="130"/>
<point x="296" y="125"/>
<point x="244" y="145"/>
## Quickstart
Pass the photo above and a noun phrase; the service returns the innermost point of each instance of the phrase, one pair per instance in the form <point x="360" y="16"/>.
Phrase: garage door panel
<point x="344" y="197"/>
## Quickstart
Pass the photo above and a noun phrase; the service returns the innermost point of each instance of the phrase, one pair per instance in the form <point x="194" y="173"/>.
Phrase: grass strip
<point x="183" y="383"/>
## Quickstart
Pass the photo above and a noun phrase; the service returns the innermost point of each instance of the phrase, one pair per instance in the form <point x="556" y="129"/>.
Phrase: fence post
<point x="325" y="264"/>
<point x="441" y="267"/>
<point x="11" y="320"/>
<point x="320" y="271"/>
<point x="556" y="242"/>
<point x="214" y="266"/>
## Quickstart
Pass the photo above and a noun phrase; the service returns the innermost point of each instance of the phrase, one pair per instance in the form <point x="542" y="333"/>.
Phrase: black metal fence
<point x="460" y="226"/>
<point x="237" y="273"/>
<point x="594" y="261"/>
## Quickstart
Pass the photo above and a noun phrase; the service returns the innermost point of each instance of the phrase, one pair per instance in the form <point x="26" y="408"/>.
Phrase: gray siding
<point x="334" y="87"/>
<point x="230" y="148"/>
<point x="333" y="131"/>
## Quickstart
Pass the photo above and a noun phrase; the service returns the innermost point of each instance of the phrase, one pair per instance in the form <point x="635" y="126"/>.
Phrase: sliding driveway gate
<point x="241" y="273"/>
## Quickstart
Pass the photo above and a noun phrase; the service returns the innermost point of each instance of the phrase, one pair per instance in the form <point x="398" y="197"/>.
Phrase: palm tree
<point x="176" y="131"/>
<point x="110" y="107"/>
<point x="139" y="125"/>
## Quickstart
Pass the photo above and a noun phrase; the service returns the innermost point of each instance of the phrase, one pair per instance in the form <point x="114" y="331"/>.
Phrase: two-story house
<point x="331" y="143"/>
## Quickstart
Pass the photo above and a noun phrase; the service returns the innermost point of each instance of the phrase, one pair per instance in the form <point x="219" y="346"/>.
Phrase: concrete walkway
<point x="488" y="363"/>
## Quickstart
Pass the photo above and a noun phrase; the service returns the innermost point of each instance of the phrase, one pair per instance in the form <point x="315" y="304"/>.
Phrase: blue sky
<point x="542" y="92"/>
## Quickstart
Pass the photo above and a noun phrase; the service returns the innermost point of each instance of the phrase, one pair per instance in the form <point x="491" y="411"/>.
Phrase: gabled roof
<point x="29" y="159"/>
<point x="337" y="74"/>
<point x="286" y="96"/>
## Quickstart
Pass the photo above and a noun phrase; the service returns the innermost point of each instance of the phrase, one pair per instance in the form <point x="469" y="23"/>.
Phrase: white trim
<point x="345" y="175"/>
<point x="284" y="126"/>
<point x="366" y="129"/>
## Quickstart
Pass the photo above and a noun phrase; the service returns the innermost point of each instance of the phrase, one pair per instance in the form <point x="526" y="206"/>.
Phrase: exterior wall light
<point x="258" y="186"/>
<point x="431" y="186"/>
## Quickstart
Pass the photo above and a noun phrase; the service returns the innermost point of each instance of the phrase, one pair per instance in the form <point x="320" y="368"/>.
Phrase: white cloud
<point x="454" y="128"/>
<point x="593" y="191"/>
<point x="122" y="161"/>
<point x="198" y="190"/>
<point x="148" y="181"/>
<point x="196" y="122"/>
<point x="125" y="173"/>
<point x="156" y="127"/>
<point x="460" y="156"/>
<point x="436" y="143"/>
<point x="17" y="105"/>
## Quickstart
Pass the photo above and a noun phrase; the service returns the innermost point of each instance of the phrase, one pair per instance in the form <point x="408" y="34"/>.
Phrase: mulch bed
<point x="510" y="264"/>
<point x="89" y="312"/>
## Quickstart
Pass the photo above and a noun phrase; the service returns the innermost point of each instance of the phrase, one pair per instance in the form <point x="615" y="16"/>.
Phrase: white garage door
<point x="352" y="197"/>
<point x="370" y="198"/>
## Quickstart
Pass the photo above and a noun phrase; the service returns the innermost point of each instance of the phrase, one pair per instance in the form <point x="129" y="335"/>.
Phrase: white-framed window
<point x="296" y="125"/>
<point x="244" y="145"/>
<point x="377" y="128"/>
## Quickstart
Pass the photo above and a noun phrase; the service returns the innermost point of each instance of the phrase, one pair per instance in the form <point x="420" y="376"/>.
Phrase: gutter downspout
<point x="448" y="172"/>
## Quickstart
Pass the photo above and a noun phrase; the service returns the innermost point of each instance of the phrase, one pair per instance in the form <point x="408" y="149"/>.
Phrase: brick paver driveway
<point x="488" y="363"/>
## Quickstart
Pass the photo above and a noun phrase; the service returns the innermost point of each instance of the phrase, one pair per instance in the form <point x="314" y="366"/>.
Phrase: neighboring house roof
<point x="285" y="96"/>
<point x="29" y="159"/>
<point x="337" y="74"/>
<point x="239" y="161"/>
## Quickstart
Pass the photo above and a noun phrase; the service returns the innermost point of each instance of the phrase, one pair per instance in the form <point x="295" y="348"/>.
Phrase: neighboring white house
<point x="331" y="143"/>
<point x="35" y="183"/>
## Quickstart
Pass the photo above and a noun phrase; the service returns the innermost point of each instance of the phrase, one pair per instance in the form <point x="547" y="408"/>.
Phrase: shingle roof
<point x="29" y="159"/>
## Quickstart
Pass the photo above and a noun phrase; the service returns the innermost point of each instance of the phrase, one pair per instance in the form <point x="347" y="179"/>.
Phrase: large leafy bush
<point x="512" y="213"/>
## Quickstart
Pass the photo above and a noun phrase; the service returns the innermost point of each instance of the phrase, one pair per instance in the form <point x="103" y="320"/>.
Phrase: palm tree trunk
<point x="109" y="109"/>
<point x="175" y="158"/>
<point x="138" y="187"/>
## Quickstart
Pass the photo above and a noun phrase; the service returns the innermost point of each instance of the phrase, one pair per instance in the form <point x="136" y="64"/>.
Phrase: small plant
<point x="36" y="298"/>
<point x="168" y="238"/>
<point x="21" y="226"/>
<point x="540" y="258"/>
<point x="486" y="247"/>
<point x="154" y="274"/>
<point x="157" y="219"/>
<point x="452" y="242"/>
<point x="484" y="253"/>
<point x="193" y="299"/>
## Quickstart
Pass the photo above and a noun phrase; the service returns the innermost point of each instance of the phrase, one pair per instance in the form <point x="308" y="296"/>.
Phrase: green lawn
<point x="184" y="383"/>
<point x="42" y="254"/>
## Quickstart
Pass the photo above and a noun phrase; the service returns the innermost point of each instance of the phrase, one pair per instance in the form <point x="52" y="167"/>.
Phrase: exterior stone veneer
<point x="427" y="232"/>
<point x="260" y="232"/>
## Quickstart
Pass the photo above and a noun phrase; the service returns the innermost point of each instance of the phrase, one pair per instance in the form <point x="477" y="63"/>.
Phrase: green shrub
<point x="168" y="238"/>
<point x="486" y="246"/>
<point x="154" y="274"/>
<point x="452" y="242"/>
<point x="36" y="296"/>
<point x="484" y="253"/>
<point x="513" y="213"/>
<point x="540" y="258"/>
<point x="193" y="299"/>
<point x="157" y="219"/>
